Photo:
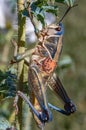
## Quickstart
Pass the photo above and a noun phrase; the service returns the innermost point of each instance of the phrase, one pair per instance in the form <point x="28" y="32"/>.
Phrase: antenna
<point x="66" y="12"/>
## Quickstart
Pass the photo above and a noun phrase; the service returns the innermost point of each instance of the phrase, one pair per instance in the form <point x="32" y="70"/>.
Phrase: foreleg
<point x="18" y="57"/>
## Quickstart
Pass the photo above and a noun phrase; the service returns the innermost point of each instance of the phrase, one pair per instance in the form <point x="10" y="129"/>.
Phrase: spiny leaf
<point x="4" y="124"/>
<point x="8" y="83"/>
<point x="68" y="2"/>
<point x="50" y="9"/>
<point x="40" y="17"/>
<point x="39" y="11"/>
<point x="40" y="3"/>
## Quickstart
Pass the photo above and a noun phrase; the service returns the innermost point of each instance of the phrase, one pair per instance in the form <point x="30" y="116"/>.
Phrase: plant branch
<point x="21" y="49"/>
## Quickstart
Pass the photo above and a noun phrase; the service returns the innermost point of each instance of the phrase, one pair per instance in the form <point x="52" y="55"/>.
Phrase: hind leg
<point x="39" y="89"/>
<point x="39" y="115"/>
<point x="56" y="86"/>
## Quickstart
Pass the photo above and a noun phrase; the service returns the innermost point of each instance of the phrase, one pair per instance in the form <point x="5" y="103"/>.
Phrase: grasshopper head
<point x="56" y="29"/>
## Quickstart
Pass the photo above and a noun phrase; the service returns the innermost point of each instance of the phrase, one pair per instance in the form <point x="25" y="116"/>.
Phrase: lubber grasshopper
<point x="42" y="63"/>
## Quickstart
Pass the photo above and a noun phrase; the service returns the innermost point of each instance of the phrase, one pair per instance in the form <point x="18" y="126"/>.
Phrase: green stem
<point x="21" y="49"/>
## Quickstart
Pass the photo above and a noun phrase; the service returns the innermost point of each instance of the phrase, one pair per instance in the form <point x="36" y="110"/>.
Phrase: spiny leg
<point x="37" y="114"/>
<point x="22" y="95"/>
<point x="56" y="85"/>
<point x="36" y="105"/>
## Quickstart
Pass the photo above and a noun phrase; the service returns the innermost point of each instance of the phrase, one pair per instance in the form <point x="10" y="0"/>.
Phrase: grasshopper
<point x="43" y="60"/>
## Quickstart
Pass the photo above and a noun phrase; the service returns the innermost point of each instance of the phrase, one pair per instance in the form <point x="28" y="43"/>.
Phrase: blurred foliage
<point x="39" y="8"/>
<point x="7" y="84"/>
<point x="67" y="2"/>
<point x="4" y="124"/>
<point x="72" y="71"/>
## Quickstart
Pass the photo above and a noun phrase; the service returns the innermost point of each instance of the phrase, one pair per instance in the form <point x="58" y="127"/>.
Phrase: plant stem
<point x="21" y="49"/>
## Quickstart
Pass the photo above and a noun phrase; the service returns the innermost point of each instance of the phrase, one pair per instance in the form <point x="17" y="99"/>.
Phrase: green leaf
<point x="25" y="12"/>
<point x="41" y="17"/>
<point x="4" y="124"/>
<point x="41" y="2"/>
<point x="8" y="83"/>
<point x="50" y="9"/>
<point x="40" y="10"/>
<point x="68" y="2"/>
<point x="60" y="1"/>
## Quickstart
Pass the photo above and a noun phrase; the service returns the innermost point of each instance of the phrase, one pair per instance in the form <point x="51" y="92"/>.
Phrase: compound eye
<point x="58" y="28"/>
